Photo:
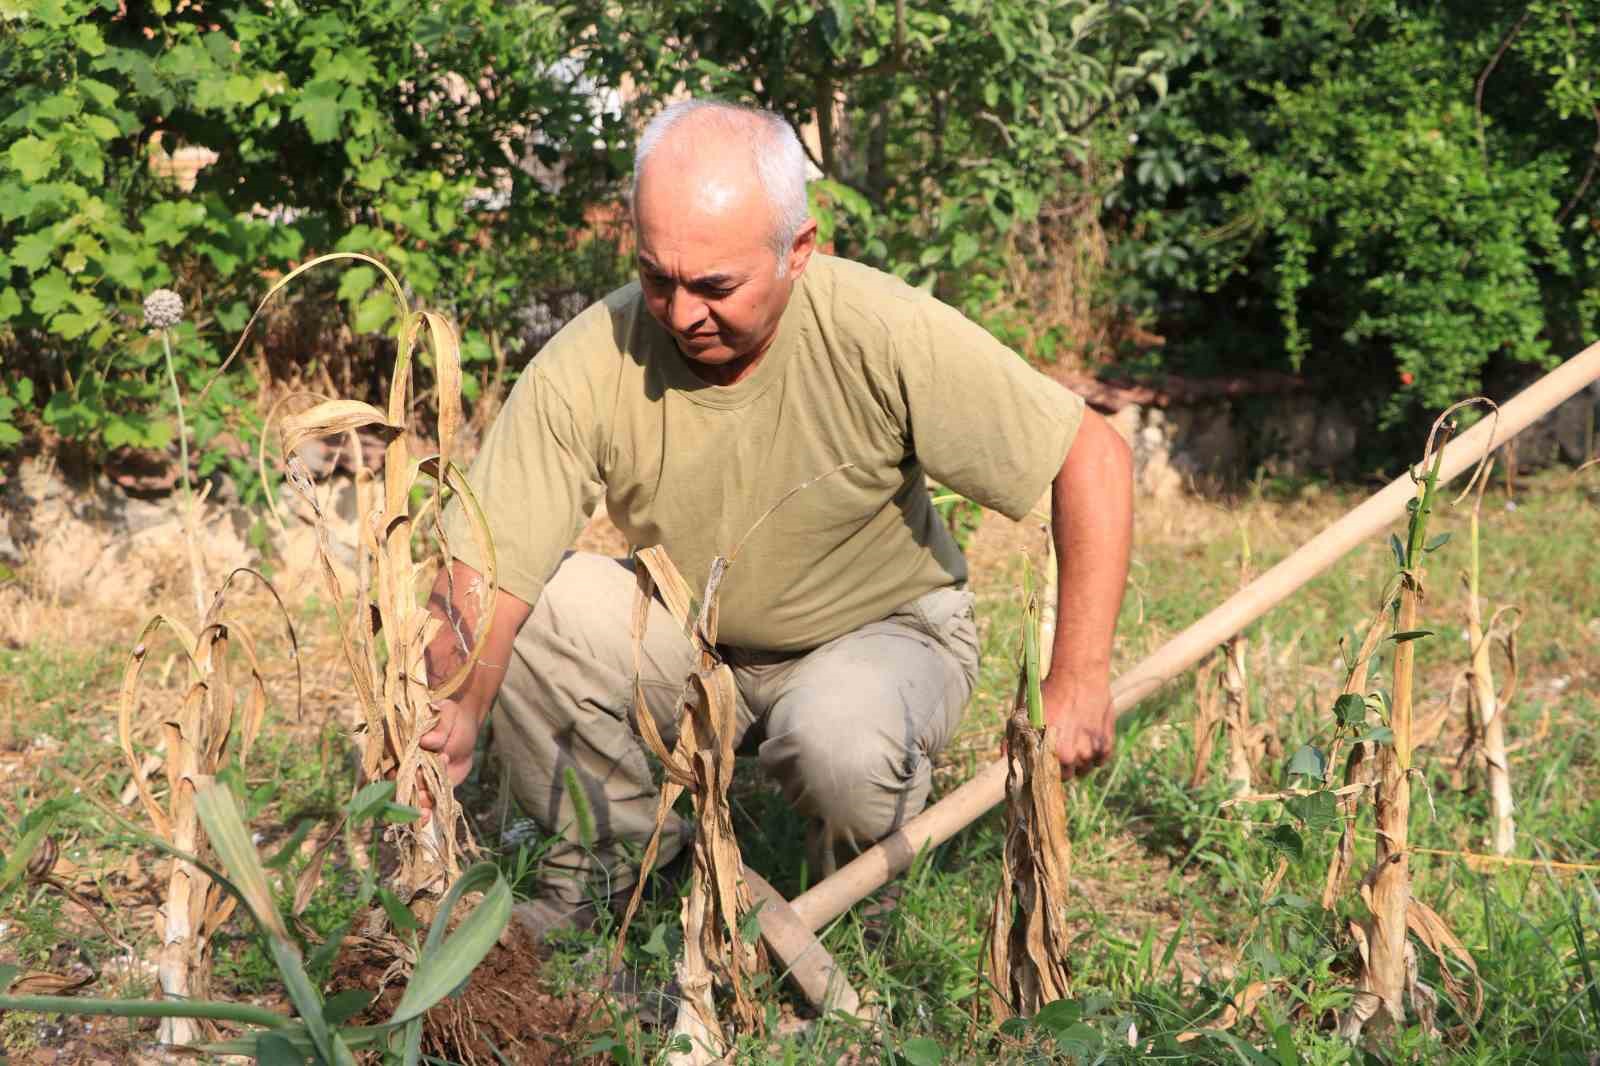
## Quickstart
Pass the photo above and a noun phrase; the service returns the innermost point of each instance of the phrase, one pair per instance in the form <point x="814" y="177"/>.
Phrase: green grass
<point x="1168" y="886"/>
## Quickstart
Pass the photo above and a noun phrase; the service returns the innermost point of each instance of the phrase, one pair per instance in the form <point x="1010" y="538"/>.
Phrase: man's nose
<point x="684" y="312"/>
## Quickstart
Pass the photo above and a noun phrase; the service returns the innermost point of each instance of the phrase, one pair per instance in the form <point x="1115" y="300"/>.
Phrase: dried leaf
<point x="1028" y="939"/>
<point x="306" y="884"/>
<point x="332" y="417"/>
<point x="43" y="983"/>
<point x="1207" y="721"/>
<point x="1444" y="944"/>
<point x="669" y="583"/>
<point x="1241" y="1006"/>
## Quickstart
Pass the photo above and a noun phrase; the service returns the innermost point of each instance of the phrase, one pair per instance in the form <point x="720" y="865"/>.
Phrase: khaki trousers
<point x="848" y="729"/>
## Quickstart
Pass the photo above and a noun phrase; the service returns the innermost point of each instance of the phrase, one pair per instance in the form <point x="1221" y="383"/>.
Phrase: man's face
<point x="706" y="263"/>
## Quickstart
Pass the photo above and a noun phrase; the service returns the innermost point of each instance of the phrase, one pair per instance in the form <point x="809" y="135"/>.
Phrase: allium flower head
<point x="163" y="309"/>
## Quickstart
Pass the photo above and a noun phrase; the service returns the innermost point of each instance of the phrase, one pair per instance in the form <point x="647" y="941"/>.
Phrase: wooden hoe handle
<point x="894" y="854"/>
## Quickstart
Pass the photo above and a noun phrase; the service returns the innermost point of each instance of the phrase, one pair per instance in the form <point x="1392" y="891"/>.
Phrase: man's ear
<point x="805" y="242"/>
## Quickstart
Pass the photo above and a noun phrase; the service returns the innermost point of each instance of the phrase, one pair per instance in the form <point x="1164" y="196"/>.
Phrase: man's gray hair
<point x="779" y="160"/>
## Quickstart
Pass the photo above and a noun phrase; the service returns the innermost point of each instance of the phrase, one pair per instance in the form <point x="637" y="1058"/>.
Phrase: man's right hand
<point x="453" y="739"/>
<point x="454" y="603"/>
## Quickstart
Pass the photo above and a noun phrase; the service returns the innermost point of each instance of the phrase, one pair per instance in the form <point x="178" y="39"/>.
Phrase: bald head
<point x="714" y="158"/>
<point x="719" y="208"/>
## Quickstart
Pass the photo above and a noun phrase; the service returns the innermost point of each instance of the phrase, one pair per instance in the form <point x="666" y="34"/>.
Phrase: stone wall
<point x="1180" y="443"/>
<point x="91" y="543"/>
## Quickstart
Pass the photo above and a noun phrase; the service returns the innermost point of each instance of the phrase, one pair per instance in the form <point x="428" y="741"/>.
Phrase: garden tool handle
<point x="894" y="854"/>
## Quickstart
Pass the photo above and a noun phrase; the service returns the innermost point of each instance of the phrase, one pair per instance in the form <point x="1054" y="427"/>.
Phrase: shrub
<point x="1388" y="199"/>
<point x="207" y="150"/>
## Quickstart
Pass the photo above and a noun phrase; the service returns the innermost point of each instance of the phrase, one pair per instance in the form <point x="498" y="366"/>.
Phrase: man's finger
<point x="439" y="735"/>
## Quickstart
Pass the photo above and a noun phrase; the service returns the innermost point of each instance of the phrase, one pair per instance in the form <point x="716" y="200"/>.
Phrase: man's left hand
<point x="1084" y="720"/>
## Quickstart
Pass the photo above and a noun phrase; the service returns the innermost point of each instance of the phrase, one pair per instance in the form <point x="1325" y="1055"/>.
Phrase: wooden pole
<point x="894" y="854"/>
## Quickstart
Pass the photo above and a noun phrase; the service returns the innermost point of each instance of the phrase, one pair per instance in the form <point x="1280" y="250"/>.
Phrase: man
<point x="740" y="365"/>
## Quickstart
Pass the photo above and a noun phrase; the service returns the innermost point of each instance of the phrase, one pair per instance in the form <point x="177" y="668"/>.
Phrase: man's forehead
<point x="699" y="183"/>
<point x="684" y="239"/>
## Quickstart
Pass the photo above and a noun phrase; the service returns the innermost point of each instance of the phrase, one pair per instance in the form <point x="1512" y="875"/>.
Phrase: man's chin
<point x="717" y="355"/>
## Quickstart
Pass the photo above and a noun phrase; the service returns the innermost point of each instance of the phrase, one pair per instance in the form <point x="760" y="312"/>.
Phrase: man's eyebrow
<point x="707" y="281"/>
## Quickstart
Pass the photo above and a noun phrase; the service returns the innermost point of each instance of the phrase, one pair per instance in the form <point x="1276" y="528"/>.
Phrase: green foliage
<point x="443" y="960"/>
<point x="940" y="127"/>
<point x="1383" y="197"/>
<point x="961" y="515"/>
<point x="384" y="127"/>
<point x="1380" y="197"/>
<point x="13" y="397"/>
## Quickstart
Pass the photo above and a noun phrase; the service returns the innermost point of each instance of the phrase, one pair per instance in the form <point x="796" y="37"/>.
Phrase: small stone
<point x="163" y="309"/>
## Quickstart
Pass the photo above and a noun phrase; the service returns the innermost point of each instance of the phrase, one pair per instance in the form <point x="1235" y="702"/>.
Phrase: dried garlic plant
<point x="212" y="729"/>
<point x="385" y="625"/>
<point x="1222" y="706"/>
<point x="1486" y="723"/>
<point x="1028" y="938"/>
<point x="1389" y="966"/>
<point x="701" y="762"/>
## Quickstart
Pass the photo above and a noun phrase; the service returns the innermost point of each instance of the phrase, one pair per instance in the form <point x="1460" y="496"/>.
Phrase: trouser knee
<point x="859" y="792"/>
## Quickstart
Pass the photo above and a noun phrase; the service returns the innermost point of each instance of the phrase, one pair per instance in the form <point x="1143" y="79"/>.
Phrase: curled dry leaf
<point x="1028" y="938"/>
<point x="43" y="983"/>
<point x="1425" y="923"/>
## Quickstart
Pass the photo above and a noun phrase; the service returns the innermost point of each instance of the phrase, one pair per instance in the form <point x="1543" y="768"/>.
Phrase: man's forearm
<point x="455" y="600"/>
<point x="1092" y="523"/>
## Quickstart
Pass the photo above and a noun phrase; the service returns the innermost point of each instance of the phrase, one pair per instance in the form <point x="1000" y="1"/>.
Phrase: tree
<point x="936" y="127"/>
<point x="1397" y="200"/>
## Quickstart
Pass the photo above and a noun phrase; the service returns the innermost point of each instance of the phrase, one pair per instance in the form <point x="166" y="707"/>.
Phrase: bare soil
<point x="504" y="1014"/>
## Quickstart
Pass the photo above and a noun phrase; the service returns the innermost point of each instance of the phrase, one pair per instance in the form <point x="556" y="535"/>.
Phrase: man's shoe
<point x="545" y="914"/>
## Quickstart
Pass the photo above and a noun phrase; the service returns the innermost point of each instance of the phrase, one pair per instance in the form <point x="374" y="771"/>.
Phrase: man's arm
<point x="454" y="600"/>
<point x="1091" y="508"/>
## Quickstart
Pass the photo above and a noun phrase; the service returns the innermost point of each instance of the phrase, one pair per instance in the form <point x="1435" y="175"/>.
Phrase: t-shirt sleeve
<point x="536" y="480"/>
<point x="982" y="421"/>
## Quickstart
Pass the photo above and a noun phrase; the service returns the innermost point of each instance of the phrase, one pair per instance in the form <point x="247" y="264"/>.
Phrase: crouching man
<point x="741" y="364"/>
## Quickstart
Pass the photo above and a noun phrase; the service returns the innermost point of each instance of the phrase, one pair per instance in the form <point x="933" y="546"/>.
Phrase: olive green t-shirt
<point x="864" y="370"/>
